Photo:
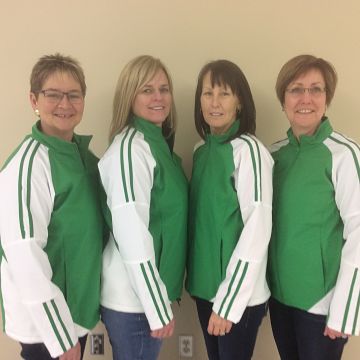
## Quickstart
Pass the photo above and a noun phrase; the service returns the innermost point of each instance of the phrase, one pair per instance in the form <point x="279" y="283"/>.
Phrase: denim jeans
<point x="299" y="334"/>
<point x="40" y="352"/>
<point x="129" y="335"/>
<point x="239" y="343"/>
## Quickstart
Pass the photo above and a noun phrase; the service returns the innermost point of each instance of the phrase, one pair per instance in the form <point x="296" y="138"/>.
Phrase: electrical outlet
<point x="97" y="344"/>
<point x="186" y="346"/>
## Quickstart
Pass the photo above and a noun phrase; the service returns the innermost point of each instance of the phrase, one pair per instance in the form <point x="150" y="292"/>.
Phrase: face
<point x="59" y="117"/>
<point x="305" y="110"/>
<point x="218" y="105"/>
<point x="153" y="101"/>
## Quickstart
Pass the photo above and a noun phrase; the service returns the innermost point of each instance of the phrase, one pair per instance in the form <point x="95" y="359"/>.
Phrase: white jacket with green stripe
<point x="144" y="261"/>
<point x="51" y="232"/>
<point x="229" y="223"/>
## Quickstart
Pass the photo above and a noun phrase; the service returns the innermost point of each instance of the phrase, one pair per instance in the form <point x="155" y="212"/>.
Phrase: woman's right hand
<point x="72" y="354"/>
<point x="218" y="326"/>
<point x="165" y="331"/>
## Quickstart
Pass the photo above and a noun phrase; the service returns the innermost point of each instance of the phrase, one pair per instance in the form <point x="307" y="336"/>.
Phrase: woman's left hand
<point x="218" y="326"/>
<point x="333" y="334"/>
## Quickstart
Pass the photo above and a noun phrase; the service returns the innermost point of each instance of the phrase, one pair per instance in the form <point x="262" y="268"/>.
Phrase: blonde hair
<point x="133" y="77"/>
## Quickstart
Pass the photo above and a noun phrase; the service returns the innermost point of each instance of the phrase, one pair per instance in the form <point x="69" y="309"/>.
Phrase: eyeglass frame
<point x="81" y="96"/>
<point x="304" y="89"/>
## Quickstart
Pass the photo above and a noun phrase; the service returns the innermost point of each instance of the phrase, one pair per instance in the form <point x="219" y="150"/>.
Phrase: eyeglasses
<point x="314" y="91"/>
<point x="56" y="96"/>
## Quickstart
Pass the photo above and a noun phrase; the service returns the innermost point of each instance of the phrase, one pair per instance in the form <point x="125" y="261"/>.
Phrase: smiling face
<point x="219" y="106"/>
<point x="305" y="111"/>
<point x="58" y="119"/>
<point x="153" y="101"/>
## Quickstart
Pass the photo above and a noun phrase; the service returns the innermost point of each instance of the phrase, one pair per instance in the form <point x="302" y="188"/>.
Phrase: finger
<point x="171" y="331"/>
<point x="216" y="331"/>
<point x="228" y="326"/>
<point x="164" y="333"/>
<point x="210" y="328"/>
<point x="154" y="333"/>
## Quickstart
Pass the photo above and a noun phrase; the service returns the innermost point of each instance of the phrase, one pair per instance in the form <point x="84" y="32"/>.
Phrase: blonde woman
<point x="143" y="264"/>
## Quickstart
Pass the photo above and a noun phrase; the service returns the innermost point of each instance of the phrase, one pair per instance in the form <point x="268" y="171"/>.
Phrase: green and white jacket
<point x="314" y="254"/>
<point x="229" y="223"/>
<point x="144" y="261"/>
<point x="51" y="232"/>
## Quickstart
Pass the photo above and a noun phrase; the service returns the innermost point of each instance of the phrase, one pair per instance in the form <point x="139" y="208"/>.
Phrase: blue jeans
<point x="299" y="334"/>
<point x="239" y="343"/>
<point x="129" y="335"/>
<point x="39" y="351"/>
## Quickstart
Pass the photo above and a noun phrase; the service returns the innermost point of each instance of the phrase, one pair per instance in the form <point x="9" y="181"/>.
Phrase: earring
<point x="37" y="112"/>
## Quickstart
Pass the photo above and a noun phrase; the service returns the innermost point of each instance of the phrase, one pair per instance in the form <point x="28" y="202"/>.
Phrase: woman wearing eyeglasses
<point x="51" y="225"/>
<point x="314" y="250"/>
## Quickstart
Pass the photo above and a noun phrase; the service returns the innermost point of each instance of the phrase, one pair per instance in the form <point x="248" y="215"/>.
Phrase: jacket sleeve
<point x="25" y="210"/>
<point x="127" y="174"/>
<point x="253" y="183"/>
<point x="344" y="307"/>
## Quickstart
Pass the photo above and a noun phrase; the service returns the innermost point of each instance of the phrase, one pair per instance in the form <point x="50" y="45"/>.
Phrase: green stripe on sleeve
<point x="152" y="294"/>
<point x="254" y="167"/>
<point x="62" y="323"/>
<point x="158" y="289"/>
<point x="130" y="166"/>
<point x="260" y="175"/>
<point x="230" y="286"/>
<point x="237" y="289"/>
<point x="350" y="140"/>
<point x="356" y="315"/>
<point x="352" y="152"/>
<point x="349" y="301"/>
<point x="122" y="166"/>
<point x="28" y="195"/>
<point x="54" y="327"/>
<point x="21" y="210"/>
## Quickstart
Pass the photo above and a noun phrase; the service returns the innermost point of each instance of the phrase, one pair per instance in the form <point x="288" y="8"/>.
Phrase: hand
<point x="218" y="325"/>
<point x="165" y="331"/>
<point x="333" y="334"/>
<point x="72" y="354"/>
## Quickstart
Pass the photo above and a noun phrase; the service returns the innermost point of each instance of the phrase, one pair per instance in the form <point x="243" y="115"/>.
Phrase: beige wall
<point x="258" y="35"/>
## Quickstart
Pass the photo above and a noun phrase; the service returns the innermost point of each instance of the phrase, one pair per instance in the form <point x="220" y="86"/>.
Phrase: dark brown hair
<point x="226" y="73"/>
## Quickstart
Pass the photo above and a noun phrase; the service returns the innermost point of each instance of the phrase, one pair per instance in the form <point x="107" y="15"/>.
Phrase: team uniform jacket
<point x="51" y="239"/>
<point x="314" y="253"/>
<point x="144" y="260"/>
<point x="230" y="223"/>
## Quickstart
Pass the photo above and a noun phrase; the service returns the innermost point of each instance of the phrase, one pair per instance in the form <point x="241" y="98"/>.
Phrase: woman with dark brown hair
<point x="229" y="214"/>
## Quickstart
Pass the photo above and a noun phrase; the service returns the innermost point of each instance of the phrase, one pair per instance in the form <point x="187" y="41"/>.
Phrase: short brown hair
<point x="300" y="65"/>
<point x="226" y="73"/>
<point x="49" y="64"/>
